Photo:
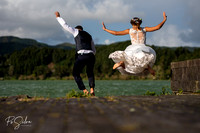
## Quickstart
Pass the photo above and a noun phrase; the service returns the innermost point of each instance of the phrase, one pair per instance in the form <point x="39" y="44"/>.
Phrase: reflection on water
<point x="59" y="88"/>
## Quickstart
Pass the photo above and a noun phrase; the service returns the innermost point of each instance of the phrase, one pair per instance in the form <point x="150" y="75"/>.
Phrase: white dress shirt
<point x="75" y="32"/>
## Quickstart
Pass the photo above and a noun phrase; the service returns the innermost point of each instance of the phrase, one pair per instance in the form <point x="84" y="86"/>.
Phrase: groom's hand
<point x="57" y="14"/>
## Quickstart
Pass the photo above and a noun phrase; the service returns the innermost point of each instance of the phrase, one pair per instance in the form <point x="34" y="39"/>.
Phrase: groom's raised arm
<point x="65" y="26"/>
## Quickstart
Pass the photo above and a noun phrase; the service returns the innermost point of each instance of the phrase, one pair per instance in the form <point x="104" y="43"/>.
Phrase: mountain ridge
<point x="9" y="44"/>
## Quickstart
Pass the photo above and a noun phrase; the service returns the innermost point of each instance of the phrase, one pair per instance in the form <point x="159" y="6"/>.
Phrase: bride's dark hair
<point x="136" y="20"/>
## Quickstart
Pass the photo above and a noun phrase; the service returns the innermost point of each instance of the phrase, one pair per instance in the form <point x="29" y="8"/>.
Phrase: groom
<point x="85" y="51"/>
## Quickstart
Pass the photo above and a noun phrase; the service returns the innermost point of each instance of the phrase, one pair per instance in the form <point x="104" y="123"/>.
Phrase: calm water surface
<point x="59" y="88"/>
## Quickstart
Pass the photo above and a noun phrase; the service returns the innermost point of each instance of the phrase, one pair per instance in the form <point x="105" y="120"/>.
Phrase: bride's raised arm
<point x="150" y="29"/>
<point x="124" y="32"/>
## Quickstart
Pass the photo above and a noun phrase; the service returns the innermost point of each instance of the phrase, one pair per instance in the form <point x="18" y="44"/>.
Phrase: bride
<point x="137" y="58"/>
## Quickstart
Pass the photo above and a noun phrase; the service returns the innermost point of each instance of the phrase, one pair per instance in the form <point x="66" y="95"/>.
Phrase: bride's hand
<point x="164" y="16"/>
<point x="104" y="27"/>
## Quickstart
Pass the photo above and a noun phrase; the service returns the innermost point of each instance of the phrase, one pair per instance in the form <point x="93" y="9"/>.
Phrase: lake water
<point x="59" y="88"/>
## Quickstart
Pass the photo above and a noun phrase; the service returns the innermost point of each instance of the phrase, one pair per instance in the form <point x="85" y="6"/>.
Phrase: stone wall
<point x="186" y="75"/>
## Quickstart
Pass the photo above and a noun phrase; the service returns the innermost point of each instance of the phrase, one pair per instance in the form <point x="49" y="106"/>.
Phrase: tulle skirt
<point x="136" y="58"/>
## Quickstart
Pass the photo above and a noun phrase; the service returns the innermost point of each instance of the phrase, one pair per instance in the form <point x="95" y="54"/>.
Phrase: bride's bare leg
<point x="151" y="70"/>
<point x="121" y="63"/>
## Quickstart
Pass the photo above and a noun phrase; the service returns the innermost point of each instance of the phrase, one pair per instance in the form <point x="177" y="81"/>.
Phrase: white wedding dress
<point x="136" y="56"/>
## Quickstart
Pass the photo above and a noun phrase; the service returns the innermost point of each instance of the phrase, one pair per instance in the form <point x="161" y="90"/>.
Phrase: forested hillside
<point x="10" y="44"/>
<point x="56" y="63"/>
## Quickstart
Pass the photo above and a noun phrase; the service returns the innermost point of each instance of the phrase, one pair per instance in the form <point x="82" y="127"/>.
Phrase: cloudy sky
<point x="35" y="19"/>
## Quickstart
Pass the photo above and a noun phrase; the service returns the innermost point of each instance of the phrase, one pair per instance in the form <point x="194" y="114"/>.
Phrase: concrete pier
<point x="186" y="76"/>
<point x="120" y="114"/>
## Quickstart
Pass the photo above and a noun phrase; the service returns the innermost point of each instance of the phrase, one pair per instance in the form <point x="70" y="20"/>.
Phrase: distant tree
<point x="35" y="60"/>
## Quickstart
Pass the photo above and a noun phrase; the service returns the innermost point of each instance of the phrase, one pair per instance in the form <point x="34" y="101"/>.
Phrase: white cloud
<point x="169" y="36"/>
<point x="192" y="19"/>
<point x="106" y="10"/>
<point x="35" y="18"/>
<point x="107" y="41"/>
<point x="24" y="19"/>
<point x="18" y="32"/>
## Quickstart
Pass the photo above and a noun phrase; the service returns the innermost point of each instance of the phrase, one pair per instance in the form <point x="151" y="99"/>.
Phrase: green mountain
<point x="65" y="46"/>
<point x="57" y="61"/>
<point x="9" y="44"/>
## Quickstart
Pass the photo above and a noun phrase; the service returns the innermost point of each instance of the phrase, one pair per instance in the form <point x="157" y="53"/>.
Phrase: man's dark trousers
<point x="81" y="61"/>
